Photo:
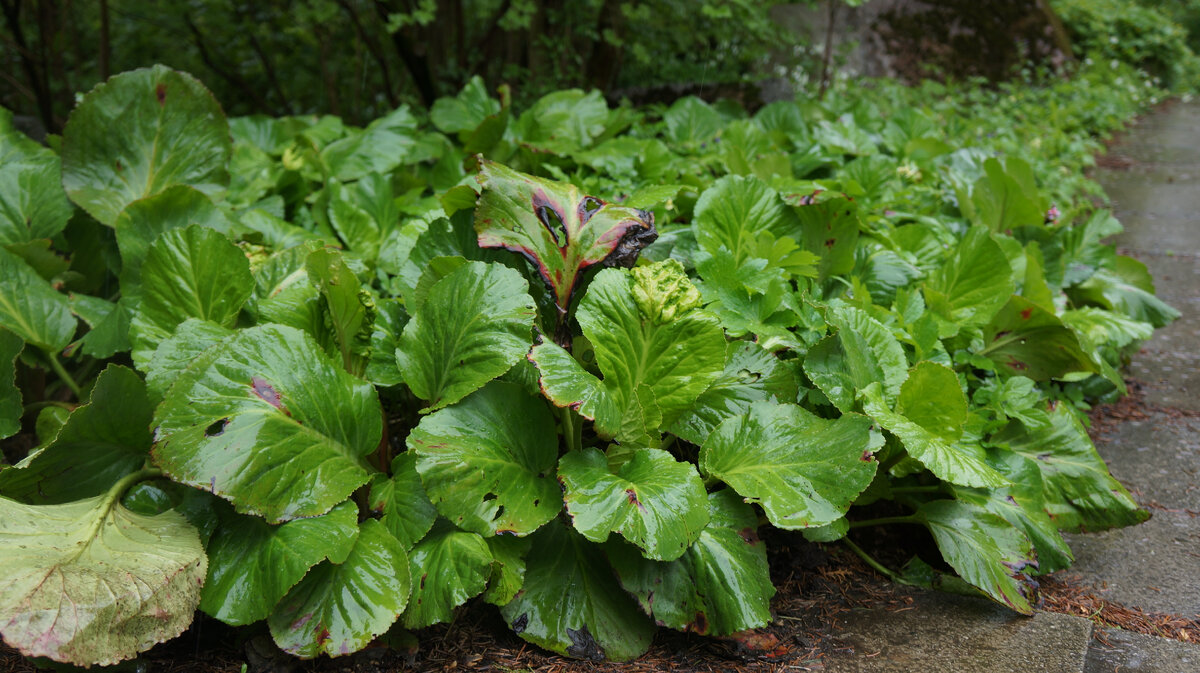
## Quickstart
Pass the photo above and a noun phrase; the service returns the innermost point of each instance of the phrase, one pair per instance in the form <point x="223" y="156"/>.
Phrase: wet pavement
<point x="1154" y="566"/>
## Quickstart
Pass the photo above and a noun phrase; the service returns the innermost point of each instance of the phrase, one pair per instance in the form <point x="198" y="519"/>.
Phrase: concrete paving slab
<point x="1158" y="459"/>
<point x="1136" y="653"/>
<point x="953" y="634"/>
<point x="1152" y="193"/>
<point x="1169" y="233"/>
<point x="1153" y="566"/>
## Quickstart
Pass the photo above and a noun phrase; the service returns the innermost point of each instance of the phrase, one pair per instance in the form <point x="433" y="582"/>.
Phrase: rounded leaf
<point x="488" y="462"/>
<point x="268" y="422"/>
<point x="652" y="500"/>
<point x="448" y="567"/>
<point x="339" y="608"/>
<point x="473" y="326"/>
<point x="139" y="133"/>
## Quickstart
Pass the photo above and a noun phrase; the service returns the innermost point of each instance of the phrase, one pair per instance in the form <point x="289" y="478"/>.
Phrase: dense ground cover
<point x="345" y="379"/>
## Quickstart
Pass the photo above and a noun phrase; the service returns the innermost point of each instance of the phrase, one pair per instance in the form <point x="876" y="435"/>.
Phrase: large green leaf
<point x="691" y="121"/>
<point x="1025" y="339"/>
<point x="488" y="462"/>
<point x="139" y="133"/>
<point x="268" y="422"/>
<point x="339" y="608"/>
<point x="1128" y="290"/>
<point x="31" y="308"/>
<point x="1023" y="506"/>
<point x="383" y="145"/>
<point x="466" y="111"/>
<point x="751" y="375"/>
<point x="252" y="564"/>
<point x="1079" y="492"/>
<point x="89" y="582"/>
<point x="973" y="283"/>
<point x="175" y="353"/>
<point x="194" y="272"/>
<point x="473" y="326"/>
<point x="1005" y="197"/>
<point x="32" y="202"/>
<point x="102" y="441"/>
<point x="735" y="210"/>
<point x="144" y="220"/>
<point x="573" y="605"/>
<point x="11" y="407"/>
<point x="830" y="227"/>
<point x="863" y="351"/>
<point x="563" y="121"/>
<point x="448" y="567"/>
<point x="401" y="500"/>
<point x="721" y="584"/>
<point x="654" y="346"/>
<point x="508" y="568"/>
<point x="804" y="470"/>
<point x="928" y="420"/>
<point x="652" y="500"/>
<point x="349" y="305"/>
<point x="984" y="550"/>
<point x="556" y="227"/>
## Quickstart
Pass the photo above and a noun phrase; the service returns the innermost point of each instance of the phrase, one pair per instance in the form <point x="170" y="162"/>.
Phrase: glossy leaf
<point x="487" y="462"/>
<point x="720" y="586"/>
<point x="508" y="568"/>
<point x="1080" y="494"/>
<point x="735" y="210"/>
<point x="174" y="354"/>
<point x="1025" y="339"/>
<point x="31" y="308"/>
<point x="804" y="470"/>
<point x="401" y="500"/>
<point x="751" y="374"/>
<point x="266" y="421"/>
<point x="974" y="283"/>
<point x="349" y="305"/>
<point x="473" y="326"/>
<point x="139" y="133"/>
<point x="572" y="604"/>
<point x="651" y="500"/>
<point x="448" y="567"/>
<point x="189" y="273"/>
<point x="984" y="550"/>
<point x="652" y="343"/>
<point x="863" y="351"/>
<point x="102" y="441"/>
<point x="32" y="203"/>
<point x="1128" y="290"/>
<point x="830" y="229"/>
<point x="11" y="407"/>
<point x="928" y="420"/>
<point x="339" y="608"/>
<point x="144" y="220"/>
<point x="252" y="564"/>
<point x="556" y="227"/>
<point x="89" y="582"/>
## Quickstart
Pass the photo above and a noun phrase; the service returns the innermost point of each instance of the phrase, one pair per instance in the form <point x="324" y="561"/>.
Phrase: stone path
<point x="1154" y="566"/>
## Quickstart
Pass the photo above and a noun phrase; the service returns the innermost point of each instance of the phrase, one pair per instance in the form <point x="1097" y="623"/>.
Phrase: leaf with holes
<point x="651" y="500"/>
<point x="804" y="470"/>
<point x="556" y="227"/>
<point x="721" y="584"/>
<point x="268" y="422"/>
<point x="488" y="462"/>
<point x="572" y="604"/>
<point x="339" y="608"/>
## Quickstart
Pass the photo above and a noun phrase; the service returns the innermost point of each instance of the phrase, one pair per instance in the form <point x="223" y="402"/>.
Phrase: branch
<point x="12" y="16"/>
<point x="231" y="77"/>
<point x="418" y="68"/>
<point x="376" y="52"/>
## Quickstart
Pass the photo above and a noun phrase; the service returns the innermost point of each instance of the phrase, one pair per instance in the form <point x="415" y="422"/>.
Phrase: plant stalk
<point x="572" y="429"/>
<point x="62" y="374"/>
<point x="879" y="567"/>
<point x="885" y="521"/>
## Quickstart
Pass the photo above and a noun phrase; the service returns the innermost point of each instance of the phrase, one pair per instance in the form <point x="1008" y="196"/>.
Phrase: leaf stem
<point x="879" y="567"/>
<point x="38" y="406"/>
<point x="572" y="429"/>
<point x="885" y="521"/>
<point x="62" y="374"/>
